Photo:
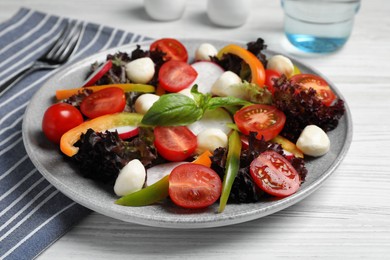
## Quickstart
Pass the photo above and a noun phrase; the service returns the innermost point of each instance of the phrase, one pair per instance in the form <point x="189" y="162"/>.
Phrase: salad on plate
<point x="232" y="126"/>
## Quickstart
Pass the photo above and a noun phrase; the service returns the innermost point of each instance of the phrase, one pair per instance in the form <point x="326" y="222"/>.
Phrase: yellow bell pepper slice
<point x="98" y="124"/>
<point x="288" y="146"/>
<point x="67" y="93"/>
<point x="255" y="65"/>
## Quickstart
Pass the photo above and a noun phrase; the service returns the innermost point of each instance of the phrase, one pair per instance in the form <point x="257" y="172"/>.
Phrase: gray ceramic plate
<point x="49" y="161"/>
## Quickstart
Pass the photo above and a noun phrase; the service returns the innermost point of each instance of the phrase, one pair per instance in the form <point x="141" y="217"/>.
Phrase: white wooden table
<point x="347" y="218"/>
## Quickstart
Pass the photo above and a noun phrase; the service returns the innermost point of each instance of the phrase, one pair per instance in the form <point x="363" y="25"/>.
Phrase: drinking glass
<point x="319" y="26"/>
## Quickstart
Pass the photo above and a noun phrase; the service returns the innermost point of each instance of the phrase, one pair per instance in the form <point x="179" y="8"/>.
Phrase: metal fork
<point x="55" y="56"/>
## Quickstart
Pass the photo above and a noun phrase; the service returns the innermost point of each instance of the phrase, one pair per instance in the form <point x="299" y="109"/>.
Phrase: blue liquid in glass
<point x="310" y="43"/>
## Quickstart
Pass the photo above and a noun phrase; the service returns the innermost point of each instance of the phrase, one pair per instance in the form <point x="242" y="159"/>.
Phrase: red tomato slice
<point x="270" y="75"/>
<point x="173" y="48"/>
<point x="194" y="186"/>
<point x="274" y="174"/>
<point x="174" y="143"/>
<point x="266" y="121"/>
<point x="176" y="75"/>
<point x="105" y="101"/>
<point x="307" y="81"/>
<point x="58" y="119"/>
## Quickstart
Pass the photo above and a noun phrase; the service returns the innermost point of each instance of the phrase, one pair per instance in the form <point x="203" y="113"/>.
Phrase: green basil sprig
<point x="177" y="109"/>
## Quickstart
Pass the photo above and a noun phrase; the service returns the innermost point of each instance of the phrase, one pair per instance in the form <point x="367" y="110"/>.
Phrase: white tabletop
<point x="347" y="218"/>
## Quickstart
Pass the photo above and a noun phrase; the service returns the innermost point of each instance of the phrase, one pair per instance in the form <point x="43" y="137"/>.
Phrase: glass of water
<point x="319" y="26"/>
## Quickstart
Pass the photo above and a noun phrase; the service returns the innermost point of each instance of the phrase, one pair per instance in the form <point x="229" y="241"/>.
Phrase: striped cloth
<point x="33" y="214"/>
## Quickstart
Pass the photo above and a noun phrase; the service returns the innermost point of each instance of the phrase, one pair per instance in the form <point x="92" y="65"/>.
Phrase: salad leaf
<point x="76" y="100"/>
<point x="102" y="155"/>
<point x="235" y="64"/>
<point x="244" y="189"/>
<point x="200" y="99"/>
<point x="217" y="102"/>
<point x="256" y="48"/>
<point x="207" y="102"/>
<point x="117" y="73"/>
<point x="304" y="108"/>
<point x="176" y="109"/>
<point x="256" y="94"/>
<point x="173" y="109"/>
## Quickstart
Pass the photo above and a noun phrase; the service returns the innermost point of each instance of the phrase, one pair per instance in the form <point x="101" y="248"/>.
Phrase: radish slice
<point x="217" y="118"/>
<point x="157" y="172"/>
<point x="98" y="73"/>
<point x="126" y="132"/>
<point x="208" y="73"/>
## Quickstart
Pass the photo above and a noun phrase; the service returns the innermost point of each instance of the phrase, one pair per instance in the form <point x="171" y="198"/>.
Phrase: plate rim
<point x="222" y="220"/>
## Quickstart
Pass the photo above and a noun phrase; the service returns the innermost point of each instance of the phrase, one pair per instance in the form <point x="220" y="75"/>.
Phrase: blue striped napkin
<point x="33" y="214"/>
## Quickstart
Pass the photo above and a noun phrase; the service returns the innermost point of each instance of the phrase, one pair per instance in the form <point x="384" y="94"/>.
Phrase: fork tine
<point x="58" y="43"/>
<point x="69" y="44"/>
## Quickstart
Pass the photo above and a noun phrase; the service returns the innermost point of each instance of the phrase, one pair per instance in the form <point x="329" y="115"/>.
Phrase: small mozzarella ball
<point x="145" y="102"/>
<point x="281" y="64"/>
<point x="313" y="141"/>
<point x="140" y="70"/>
<point x="228" y="84"/>
<point x="131" y="178"/>
<point x="204" y="51"/>
<point x="210" y="139"/>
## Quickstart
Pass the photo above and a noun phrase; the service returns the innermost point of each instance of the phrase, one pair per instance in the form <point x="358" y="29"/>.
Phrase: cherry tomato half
<point x="323" y="91"/>
<point x="176" y="75"/>
<point x="274" y="174"/>
<point x="174" y="143"/>
<point x="270" y="75"/>
<point x="173" y="48"/>
<point x="58" y="119"/>
<point x="266" y="120"/>
<point x="194" y="186"/>
<point x="105" y="101"/>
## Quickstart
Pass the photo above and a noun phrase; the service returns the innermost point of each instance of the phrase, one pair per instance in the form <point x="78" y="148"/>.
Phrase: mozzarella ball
<point x="145" y="102"/>
<point x="281" y="64"/>
<point x="210" y="139"/>
<point x="228" y="84"/>
<point x="131" y="178"/>
<point x="313" y="141"/>
<point x="204" y="51"/>
<point x="140" y="70"/>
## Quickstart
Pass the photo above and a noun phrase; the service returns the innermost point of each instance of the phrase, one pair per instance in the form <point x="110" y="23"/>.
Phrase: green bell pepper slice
<point x="149" y="195"/>
<point x="231" y="168"/>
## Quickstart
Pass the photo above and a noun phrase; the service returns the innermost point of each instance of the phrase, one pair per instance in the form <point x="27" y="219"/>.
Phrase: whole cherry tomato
<point x="58" y="119"/>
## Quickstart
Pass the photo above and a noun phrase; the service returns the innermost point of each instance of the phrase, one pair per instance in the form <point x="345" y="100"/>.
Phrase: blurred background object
<point x="229" y="13"/>
<point x="319" y="26"/>
<point x="165" y="10"/>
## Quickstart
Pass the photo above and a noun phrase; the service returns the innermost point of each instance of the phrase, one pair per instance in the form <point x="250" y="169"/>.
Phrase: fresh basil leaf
<point x="200" y="99"/>
<point x="216" y="102"/>
<point x="172" y="110"/>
